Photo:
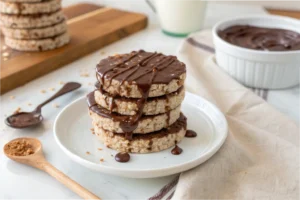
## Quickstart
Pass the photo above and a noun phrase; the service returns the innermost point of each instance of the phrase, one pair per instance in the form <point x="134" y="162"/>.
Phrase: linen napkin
<point x="260" y="157"/>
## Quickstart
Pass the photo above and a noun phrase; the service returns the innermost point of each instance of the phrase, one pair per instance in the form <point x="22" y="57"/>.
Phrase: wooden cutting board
<point x="91" y="27"/>
<point x="287" y="13"/>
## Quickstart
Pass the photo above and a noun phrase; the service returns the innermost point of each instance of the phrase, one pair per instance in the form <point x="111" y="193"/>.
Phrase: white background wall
<point x="291" y="5"/>
<point x="283" y="4"/>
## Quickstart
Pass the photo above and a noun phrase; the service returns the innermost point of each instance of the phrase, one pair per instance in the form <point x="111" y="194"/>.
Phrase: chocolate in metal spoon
<point x="28" y="119"/>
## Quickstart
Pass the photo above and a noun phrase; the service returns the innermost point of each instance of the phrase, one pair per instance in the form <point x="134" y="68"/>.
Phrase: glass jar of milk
<point x="179" y="17"/>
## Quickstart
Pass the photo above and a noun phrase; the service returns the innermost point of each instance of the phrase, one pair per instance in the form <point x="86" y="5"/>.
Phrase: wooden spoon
<point x="38" y="160"/>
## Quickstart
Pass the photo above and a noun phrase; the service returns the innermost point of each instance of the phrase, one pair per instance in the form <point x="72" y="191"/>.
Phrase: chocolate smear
<point x="24" y="119"/>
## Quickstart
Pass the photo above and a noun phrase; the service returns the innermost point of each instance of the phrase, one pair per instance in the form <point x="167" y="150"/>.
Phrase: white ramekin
<point x="254" y="68"/>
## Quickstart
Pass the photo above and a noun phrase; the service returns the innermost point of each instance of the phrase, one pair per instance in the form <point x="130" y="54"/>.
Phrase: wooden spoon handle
<point x="71" y="184"/>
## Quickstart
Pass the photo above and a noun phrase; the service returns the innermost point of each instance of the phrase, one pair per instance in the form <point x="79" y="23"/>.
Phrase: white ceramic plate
<point x="73" y="135"/>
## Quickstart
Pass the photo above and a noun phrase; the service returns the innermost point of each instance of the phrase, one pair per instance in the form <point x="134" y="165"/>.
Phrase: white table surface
<point x="22" y="182"/>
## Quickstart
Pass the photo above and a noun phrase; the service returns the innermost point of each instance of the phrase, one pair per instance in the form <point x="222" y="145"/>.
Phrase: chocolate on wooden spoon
<point x="29" y="151"/>
<point x="28" y="119"/>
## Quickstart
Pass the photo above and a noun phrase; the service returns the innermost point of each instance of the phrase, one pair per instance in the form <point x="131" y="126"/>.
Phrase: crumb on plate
<point x="55" y="105"/>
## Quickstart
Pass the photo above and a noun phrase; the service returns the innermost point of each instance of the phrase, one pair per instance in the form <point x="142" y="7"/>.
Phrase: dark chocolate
<point x="190" y="134"/>
<point x="176" y="150"/>
<point x="259" y="38"/>
<point x="94" y="107"/>
<point x="138" y="67"/>
<point x="174" y="128"/>
<point x="24" y="119"/>
<point x="122" y="157"/>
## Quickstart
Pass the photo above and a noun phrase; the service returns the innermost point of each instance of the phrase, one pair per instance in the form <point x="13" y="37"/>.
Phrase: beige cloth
<point x="260" y="157"/>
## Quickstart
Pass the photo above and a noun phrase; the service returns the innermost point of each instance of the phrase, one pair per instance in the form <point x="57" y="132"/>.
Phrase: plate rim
<point x="140" y="172"/>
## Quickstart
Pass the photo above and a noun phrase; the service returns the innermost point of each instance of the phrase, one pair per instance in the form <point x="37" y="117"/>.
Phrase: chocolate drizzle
<point x="176" y="150"/>
<point x="150" y="145"/>
<point x="113" y="105"/>
<point x="173" y="129"/>
<point x="140" y="68"/>
<point x="168" y="118"/>
<point x="122" y="157"/>
<point x="93" y="106"/>
<point x="259" y="38"/>
<point x="91" y="101"/>
<point x="98" y="86"/>
<point x="190" y="133"/>
<point x="137" y="67"/>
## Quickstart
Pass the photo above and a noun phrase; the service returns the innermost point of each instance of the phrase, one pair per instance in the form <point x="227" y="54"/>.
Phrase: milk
<point x="180" y="17"/>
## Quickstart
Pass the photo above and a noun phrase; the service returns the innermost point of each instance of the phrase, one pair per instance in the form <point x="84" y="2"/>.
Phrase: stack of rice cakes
<point x="136" y="105"/>
<point x="33" y="25"/>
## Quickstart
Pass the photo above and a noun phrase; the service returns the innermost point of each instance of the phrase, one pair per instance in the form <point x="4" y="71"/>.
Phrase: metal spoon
<point x="38" y="160"/>
<point x="28" y="119"/>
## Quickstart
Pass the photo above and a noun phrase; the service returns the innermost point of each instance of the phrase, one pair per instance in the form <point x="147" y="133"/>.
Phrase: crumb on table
<point x="43" y="91"/>
<point x="61" y="82"/>
<point x="101" y="160"/>
<point x="12" y="97"/>
<point x="84" y="74"/>
<point x="4" y="47"/>
<point x="17" y="110"/>
<point x="99" y="149"/>
<point x="5" y="54"/>
<point x="88" y="153"/>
